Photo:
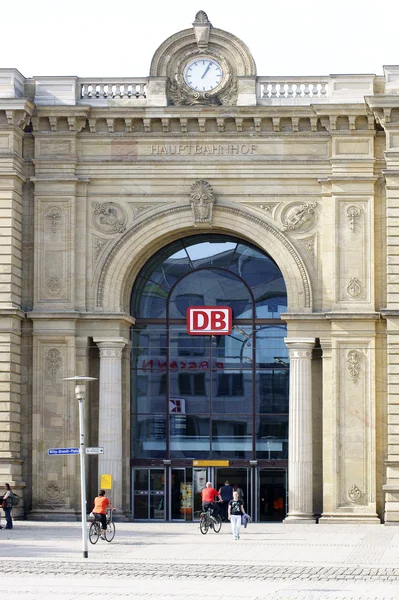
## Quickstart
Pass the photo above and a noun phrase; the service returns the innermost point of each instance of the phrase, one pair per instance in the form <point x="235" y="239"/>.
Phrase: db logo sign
<point x="209" y="320"/>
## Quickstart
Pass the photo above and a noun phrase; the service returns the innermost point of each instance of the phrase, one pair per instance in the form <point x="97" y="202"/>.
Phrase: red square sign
<point x="209" y="320"/>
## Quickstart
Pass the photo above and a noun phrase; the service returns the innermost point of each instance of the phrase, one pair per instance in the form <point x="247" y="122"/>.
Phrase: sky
<point x="98" y="38"/>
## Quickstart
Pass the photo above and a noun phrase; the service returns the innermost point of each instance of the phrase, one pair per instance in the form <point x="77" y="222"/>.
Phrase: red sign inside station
<point x="209" y="320"/>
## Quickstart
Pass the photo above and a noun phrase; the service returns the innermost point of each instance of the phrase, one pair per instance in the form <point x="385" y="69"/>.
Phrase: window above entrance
<point x="209" y="269"/>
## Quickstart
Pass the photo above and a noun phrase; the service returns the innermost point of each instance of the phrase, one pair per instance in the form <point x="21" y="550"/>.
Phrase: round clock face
<point x="203" y="74"/>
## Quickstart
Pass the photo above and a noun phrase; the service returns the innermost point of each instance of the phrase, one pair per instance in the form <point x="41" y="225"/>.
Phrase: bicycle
<point x="95" y="528"/>
<point x="208" y="521"/>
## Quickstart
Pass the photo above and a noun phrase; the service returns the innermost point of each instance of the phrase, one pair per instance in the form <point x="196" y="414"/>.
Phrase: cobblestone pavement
<point x="160" y="561"/>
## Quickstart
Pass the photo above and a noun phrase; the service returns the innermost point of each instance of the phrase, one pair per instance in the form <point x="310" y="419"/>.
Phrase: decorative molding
<point x="109" y="217"/>
<point x="53" y="214"/>
<point x="98" y="245"/>
<point x="354" y="287"/>
<point x="53" y="287"/>
<point x="353" y="212"/>
<point x="354" y="494"/>
<point x="53" y="492"/>
<point x="354" y="359"/>
<point x="309" y="244"/>
<point x="54" y="361"/>
<point x="297" y="216"/>
<point x="233" y="211"/>
<point x="202" y="200"/>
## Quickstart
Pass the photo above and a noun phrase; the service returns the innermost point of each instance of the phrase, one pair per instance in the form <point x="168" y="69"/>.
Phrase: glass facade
<point x="209" y="397"/>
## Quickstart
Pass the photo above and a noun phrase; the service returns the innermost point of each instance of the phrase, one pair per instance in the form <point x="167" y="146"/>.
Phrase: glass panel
<point x="210" y="288"/>
<point x="271" y="350"/>
<point x="148" y="391"/>
<point x="157" y="494"/>
<point x="232" y="436"/>
<point x="272" y="495"/>
<point x="189" y="436"/>
<point x="235" y="350"/>
<point x="189" y="390"/>
<point x="232" y="391"/>
<point x="272" y="391"/>
<point x="149" y="300"/>
<point x="206" y="253"/>
<point x="271" y="437"/>
<point x="148" y="436"/>
<point x="182" y="495"/>
<point x="149" y="347"/>
<point x="141" y="493"/>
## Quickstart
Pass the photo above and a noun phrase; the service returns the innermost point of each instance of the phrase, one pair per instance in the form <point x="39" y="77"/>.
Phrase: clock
<point x="203" y="74"/>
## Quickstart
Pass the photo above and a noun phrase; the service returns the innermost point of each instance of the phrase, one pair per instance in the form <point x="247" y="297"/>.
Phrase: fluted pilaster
<point x="300" y="459"/>
<point x="110" y="413"/>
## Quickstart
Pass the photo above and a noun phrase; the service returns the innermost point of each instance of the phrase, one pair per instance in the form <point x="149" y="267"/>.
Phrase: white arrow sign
<point x="94" y="450"/>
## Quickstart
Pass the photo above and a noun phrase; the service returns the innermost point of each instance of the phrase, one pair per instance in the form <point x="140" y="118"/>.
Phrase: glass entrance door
<point x="272" y="486"/>
<point x="149" y="494"/>
<point x="186" y="485"/>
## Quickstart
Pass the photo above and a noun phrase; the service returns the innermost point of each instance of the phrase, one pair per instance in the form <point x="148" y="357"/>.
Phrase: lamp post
<point x="80" y="389"/>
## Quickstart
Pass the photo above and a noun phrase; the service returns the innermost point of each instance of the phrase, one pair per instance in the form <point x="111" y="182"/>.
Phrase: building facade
<point x="124" y="202"/>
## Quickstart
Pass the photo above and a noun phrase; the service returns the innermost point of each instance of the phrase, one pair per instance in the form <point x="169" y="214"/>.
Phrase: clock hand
<point x="206" y="70"/>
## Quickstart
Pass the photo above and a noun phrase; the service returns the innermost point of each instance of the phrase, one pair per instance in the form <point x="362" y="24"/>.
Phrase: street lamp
<point x="80" y="389"/>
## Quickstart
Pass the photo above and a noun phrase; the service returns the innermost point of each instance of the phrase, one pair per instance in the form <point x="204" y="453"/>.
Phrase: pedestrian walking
<point x="235" y="510"/>
<point x="7" y="505"/>
<point x="226" y="494"/>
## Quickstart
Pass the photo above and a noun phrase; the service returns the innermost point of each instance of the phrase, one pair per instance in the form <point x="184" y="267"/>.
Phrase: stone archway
<point x="116" y="275"/>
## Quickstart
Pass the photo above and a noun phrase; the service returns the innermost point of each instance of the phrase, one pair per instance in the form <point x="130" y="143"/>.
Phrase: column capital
<point x="300" y="343"/>
<point x="111" y="342"/>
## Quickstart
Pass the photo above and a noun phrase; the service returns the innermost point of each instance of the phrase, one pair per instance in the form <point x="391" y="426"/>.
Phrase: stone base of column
<point x="41" y="514"/>
<point x="337" y="518"/>
<point x="300" y="520"/>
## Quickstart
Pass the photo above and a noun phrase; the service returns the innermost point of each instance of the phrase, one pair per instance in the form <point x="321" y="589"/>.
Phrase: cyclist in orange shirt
<point x="101" y="502"/>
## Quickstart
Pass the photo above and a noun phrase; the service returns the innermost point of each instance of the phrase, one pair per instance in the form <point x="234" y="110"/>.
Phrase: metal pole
<point x="80" y="394"/>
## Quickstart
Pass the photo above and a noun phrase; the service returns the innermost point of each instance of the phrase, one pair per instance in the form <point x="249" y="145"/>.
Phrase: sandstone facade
<point x="96" y="177"/>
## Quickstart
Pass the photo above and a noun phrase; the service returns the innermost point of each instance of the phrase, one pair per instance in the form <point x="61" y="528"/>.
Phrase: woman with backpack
<point x="7" y="505"/>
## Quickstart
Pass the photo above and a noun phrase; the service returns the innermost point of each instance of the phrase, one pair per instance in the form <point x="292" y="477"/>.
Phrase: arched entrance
<point x="209" y="407"/>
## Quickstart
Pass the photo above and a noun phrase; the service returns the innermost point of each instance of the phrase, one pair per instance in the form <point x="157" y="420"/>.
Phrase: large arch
<point x="117" y="272"/>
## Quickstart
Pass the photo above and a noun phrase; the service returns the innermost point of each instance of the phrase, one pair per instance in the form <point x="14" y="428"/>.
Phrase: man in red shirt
<point x="208" y="496"/>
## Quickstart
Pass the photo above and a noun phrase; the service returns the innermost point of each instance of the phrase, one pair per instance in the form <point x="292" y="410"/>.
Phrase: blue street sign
<point x="53" y="451"/>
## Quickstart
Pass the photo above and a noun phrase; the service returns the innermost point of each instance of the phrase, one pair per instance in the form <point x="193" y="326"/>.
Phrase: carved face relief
<point x="202" y="201"/>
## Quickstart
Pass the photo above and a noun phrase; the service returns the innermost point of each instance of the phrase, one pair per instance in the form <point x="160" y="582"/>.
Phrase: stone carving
<point x="53" y="287"/>
<point x="354" y="359"/>
<point x="53" y="492"/>
<point x="54" y="360"/>
<point x="354" y="287"/>
<point x="353" y="213"/>
<point x="53" y="214"/>
<point x="299" y="215"/>
<point x="354" y="494"/>
<point x="202" y="201"/>
<point x="309" y="244"/>
<point x="109" y="217"/>
<point x="98" y="245"/>
<point x="201" y="17"/>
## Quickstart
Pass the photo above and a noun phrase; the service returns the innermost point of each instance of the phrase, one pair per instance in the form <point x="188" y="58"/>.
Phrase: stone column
<point x="300" y="459"/>
<point x="110" y="413"/>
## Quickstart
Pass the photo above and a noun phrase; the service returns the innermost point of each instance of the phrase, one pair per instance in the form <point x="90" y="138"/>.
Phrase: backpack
<point x="14" y="499"/>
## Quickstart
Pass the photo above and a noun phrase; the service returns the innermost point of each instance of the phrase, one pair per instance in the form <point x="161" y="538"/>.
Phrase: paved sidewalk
<point x="158" y="561"/>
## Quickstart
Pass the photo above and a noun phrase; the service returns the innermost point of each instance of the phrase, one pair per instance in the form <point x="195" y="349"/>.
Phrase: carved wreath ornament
<point x="202" y="200"/>
<point x="109" y="217"/>
<point x="299" y="215"/>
